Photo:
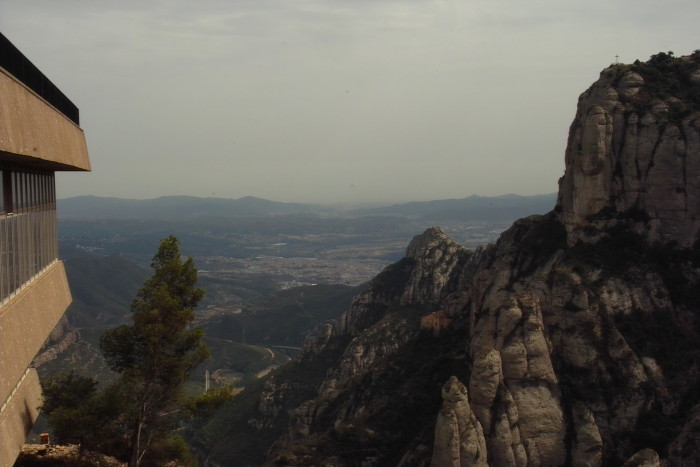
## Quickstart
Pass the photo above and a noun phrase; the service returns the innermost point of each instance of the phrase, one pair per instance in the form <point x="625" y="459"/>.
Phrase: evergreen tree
<point x="154" y="355"/>
<point x="78" y="413"/>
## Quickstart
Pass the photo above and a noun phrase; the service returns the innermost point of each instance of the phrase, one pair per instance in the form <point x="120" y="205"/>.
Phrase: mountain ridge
<point x="169" y="207"/>
<point x="474" y="207"/>
<point x="573" y="340"/>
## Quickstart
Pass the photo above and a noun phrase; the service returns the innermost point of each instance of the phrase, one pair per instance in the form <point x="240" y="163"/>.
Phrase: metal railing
<point x="19" y="66"/>
<point x="28" y="237"/>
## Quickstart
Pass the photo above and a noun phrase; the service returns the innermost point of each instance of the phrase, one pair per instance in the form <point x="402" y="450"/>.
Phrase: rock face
<point x="515" y="393"/>
<point x="630" y="153"/>
<point x="644" y="458"/>
<point x="578" y="332"/>
<point x="379" y="322"/>
<point x="62" y="337"/>
<point x="459" y="439"/>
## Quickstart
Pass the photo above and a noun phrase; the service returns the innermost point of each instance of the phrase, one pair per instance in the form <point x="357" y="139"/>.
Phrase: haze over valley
<point x="274" y="261"/>
<point x="282" y="244"/>
<point x="273" y="272"/>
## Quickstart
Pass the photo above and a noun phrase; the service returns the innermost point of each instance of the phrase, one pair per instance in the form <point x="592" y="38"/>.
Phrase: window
<point x="28" y="238"/>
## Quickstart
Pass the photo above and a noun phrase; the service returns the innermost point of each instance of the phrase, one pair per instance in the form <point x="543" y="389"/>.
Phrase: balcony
<point x="28" y="239"/>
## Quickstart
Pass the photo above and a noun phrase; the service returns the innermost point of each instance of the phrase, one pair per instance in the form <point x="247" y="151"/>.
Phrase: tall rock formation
<point x="578" y="332"/>
<point x="569" y="340"/>
<point x="459" y="438"/>
<point x="379" y="323"/>
<point x="631" y="153"/>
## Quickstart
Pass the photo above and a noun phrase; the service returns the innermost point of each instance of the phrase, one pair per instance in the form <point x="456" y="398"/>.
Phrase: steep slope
<point x="576" y="351"/>
<point x="574" y="340"/>
<point x="585" y="354"/>
<point x="284" y="317"/>
<point x="631" y="158"/>
<point x="333" y="379"/>
<point x="102" y="288"/>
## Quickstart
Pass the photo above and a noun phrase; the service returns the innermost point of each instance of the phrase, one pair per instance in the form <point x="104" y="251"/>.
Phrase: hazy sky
<point x="332" y="100"/>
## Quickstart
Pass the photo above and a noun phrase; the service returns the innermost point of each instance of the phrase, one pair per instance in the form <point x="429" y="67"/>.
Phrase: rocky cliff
<point x="630" y="157"/>
<point x="574" y="340"/>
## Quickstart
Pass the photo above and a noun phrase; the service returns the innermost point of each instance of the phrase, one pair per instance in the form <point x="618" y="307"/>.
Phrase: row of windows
<point x="21" y="190"/>
<point x="27" y="227"/>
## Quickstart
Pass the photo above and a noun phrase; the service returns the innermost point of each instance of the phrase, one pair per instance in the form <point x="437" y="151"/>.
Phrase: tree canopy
<point x="154" y="355"/>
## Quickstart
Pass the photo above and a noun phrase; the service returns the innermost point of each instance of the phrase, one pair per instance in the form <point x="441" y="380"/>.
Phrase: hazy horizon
<point x="330" y="204"/>
<point x="330" y="101"/>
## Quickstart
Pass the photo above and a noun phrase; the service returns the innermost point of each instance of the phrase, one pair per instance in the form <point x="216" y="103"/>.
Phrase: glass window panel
<point x="28" y="240"/>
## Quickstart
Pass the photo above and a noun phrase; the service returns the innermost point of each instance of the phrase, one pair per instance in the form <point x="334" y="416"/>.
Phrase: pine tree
<point x="154" y="355"/>
<point x="78" y="412"/>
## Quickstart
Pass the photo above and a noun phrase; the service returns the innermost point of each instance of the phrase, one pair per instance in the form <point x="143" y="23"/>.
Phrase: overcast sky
<point x="332" y="100"/>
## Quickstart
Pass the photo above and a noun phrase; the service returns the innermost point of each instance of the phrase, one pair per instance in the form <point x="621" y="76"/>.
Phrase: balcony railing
<point x="19" y="66"/>
<point x="28" y="237"/>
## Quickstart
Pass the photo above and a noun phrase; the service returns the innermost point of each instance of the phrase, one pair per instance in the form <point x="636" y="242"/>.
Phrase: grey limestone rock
<point x="644" y="458"/>
<point x="436" y="257"/>
<point x="513" y="385"/>
<point x="459" y="438"/>
<point x="588" y="444"/>
<point x="629" y="159"/>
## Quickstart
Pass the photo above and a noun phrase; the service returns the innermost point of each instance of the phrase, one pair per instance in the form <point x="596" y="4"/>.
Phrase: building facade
<point x="39" y="135"/>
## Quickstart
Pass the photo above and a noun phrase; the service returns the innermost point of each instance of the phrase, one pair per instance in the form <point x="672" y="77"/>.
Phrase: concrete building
<point x="39" y="135"/>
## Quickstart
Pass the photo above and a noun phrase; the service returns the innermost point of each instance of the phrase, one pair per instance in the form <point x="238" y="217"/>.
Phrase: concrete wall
<point x="26" y="320"/>
<point x="31" y="130"/>
<point x="18" y="417"/>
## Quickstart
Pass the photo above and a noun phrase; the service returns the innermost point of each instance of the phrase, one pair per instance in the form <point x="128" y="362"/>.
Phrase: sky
<point x="332" y="101"/>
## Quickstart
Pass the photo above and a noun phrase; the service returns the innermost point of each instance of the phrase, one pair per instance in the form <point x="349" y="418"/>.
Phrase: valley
<point x="271" y="276"/>
<point x="571" y="340"/>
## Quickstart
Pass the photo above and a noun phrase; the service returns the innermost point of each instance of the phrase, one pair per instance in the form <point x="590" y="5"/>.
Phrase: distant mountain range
<point x="174" y="207"/>
<point x="472" y="208"/>
<point x="484" y="208"/>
